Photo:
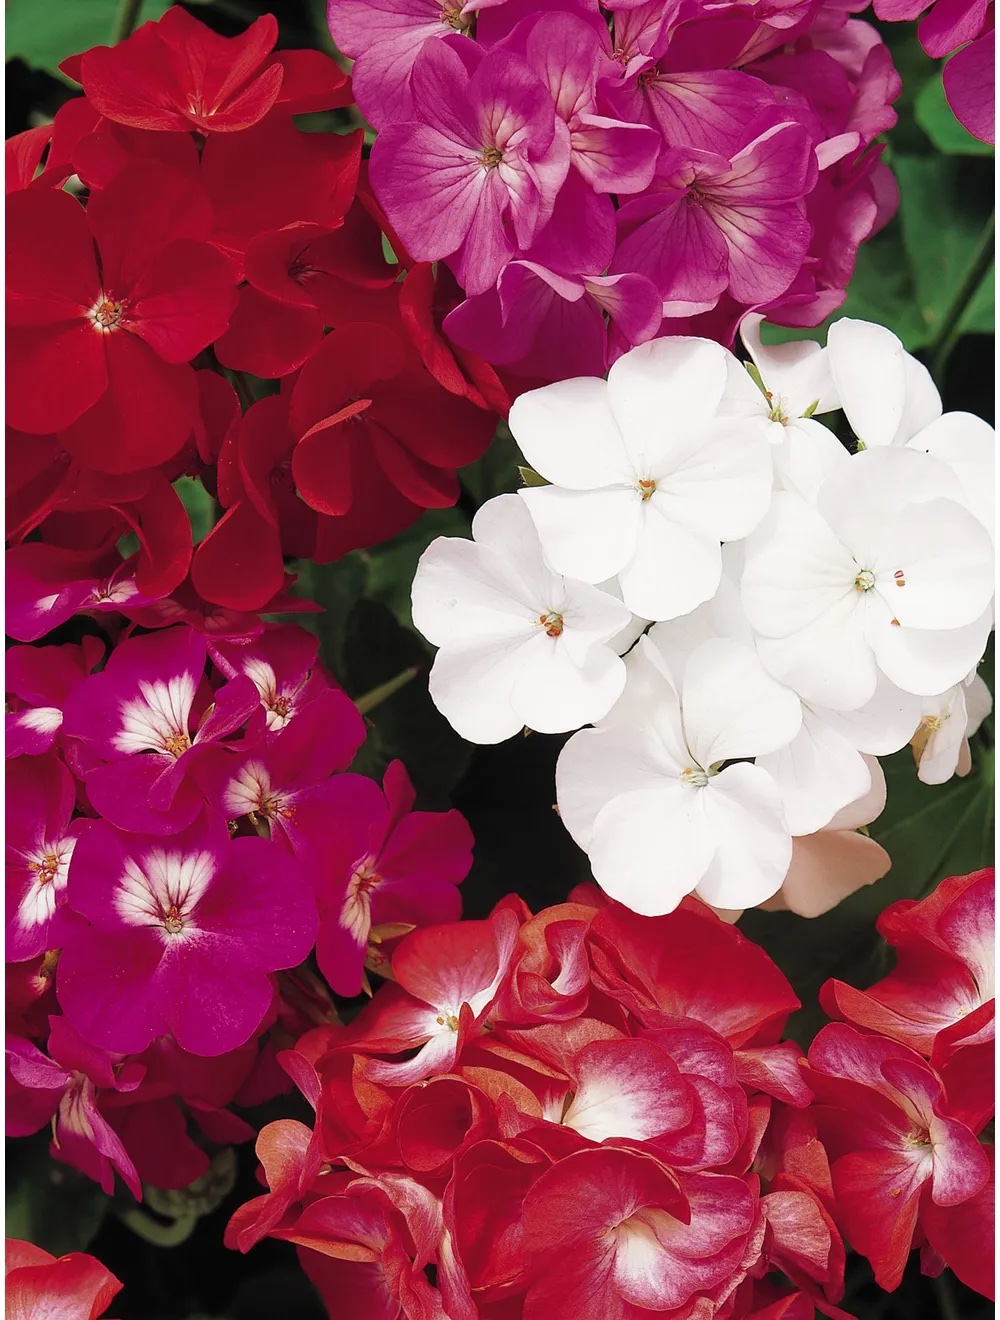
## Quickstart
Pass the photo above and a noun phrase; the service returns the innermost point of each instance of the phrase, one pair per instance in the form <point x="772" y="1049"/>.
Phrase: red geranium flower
<point x="106" y="308"/>
<point x="177" y="75"/>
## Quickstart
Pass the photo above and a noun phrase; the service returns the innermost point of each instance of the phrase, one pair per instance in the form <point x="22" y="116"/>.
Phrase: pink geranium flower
<point x="283" y="664"/>
<point x="474" y="175"/>
<point x="40" y="840"/>
<point x="145" y="722"/>
<point x="384" y="863"/>
<point x="64" y="1088"/>
<point x="710" y="224"/>
<point x="183" y="933"/>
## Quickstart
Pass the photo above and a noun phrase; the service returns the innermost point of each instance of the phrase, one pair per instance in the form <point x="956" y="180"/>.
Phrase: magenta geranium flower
<point x="385" y="863"/>
<point x="709" y="224"/>
<point x="283" y="779"/>
<point x="474" y="175"/>
<point x="284" y="666"/>
<point x="40" y="840"/>
<point x="183" y="933"/>
<point x="145" y="721"/>
<point x="38" y="680"/>
<point x="63" y="1088"/>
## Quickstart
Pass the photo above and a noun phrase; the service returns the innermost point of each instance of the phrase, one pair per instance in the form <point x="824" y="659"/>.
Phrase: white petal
<point x="589" y="535"/>
<point x="554" y="693"/>
<point x="673" y="570"/>
<point x="797" y="571"/>
<point x="826" y="868"/>
<point x="829" y="662"/>
<point x="503" y="525"/>
<point x="719" y="480"/>
<point x="868" y="807"/>
<point x="651" y="703"/>
<point x="968" y="446"/>
<point x="935" y="566"/>
<point x="808" y="454"/>
<point x="732" y="707"/>
<point x="869" y="374"/>
<point x="924" y="661"/>
<point x="597" y="765"/>
<point x="978" y="702"/>
<point x="799" y="373"/>
<point x="753" y="848"/>
<point x="938" y="755"/>
<point x="457" y="595"/>
<point x="817" y="774"/>
<point x="568" y="433"/>
<point x="472" y="686"/>
<point x="722" y="616"/>
<point x="662" y="391"/>
<point x="650" y="849"/>
<point x="882" y="725"/>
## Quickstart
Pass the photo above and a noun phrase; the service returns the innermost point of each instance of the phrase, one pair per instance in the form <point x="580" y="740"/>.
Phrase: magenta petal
<point x="121" y="790"/>
<point x="614" y="157"/>
<point x="210" y="1000"/>
<point x="340" y="955"/>
<point x="105" y="985"/>
<point x="969" y="84"/>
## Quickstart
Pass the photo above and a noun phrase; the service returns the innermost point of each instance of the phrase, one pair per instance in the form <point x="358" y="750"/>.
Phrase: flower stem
<point x="948" y="330"/>
<point x="128" y="16"/>
<point x="385" y="690"/>
<point x="945" y="1297"/>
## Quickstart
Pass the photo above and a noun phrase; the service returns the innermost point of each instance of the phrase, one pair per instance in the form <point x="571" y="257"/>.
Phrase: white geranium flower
<point x="797" y="384"/>
<point x="941" y="743"/>
<point x="882" y="573"/>
<point x="890" y="399"/>
<point x="828" y="764"/>
<point x="519" y="644"/>
<point x="646" y="479"/>
<point x="654" y="803"/>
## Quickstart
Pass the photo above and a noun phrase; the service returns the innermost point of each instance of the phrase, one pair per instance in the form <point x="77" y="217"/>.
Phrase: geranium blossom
<point x="519" y="644"/>
<point x="34" y="1279"/>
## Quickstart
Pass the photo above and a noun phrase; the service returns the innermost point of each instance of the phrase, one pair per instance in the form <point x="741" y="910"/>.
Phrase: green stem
<point x="128" y="16"/>
<point x="950" y="325"/>
<point x="945" y="1297"/>
<point x="385" y="690"/>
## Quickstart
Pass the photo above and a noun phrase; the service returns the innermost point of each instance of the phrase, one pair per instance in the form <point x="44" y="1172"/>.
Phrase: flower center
<point x="694" y="777"/>
<point x="173" y="922"/>
<point x="452" y="16"/>
<point x="917" y="1138"/>
<point x="47" y="869"/>
<point x="865" y="580"/>
<point x="280" y="706"/>
<point x="448" y="1020"/>
<point x="176" y="743"/>
<point x="645" y="487"/>
<point x="552" y="623"/>
<point x="491" y="158"/>
<point x="777" y="411"/>
<point x="106" y="314"/>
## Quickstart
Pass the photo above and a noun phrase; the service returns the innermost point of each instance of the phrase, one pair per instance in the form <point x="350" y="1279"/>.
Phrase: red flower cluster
<point x="584" y="1113"/>
<point x="217" y="239"/>
<point x="901" y="1102"/>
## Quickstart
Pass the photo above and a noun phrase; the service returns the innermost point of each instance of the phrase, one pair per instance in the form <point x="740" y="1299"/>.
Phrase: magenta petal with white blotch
<point x="136" y="722"/>
<point x="40" y="797"/>
<point x="38" y="681"/>
<point x="183" y="933"/>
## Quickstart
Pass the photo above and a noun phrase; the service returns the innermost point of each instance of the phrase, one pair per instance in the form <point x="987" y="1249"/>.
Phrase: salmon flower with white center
<point x="520" y="645"/>
<point x="648" y="478"/>
<point x="183" y="933"/>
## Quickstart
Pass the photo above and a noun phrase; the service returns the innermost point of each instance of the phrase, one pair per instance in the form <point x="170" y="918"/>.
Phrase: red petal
<point x="183" y="300"/>
<point x="239" y="563"/>
<point x="132" y="82"/>
<point x="346" y="366"/>
<point x="312" y="81"/>
<point x="24" y="154"/>
<point x="55" y="374"/>
<point x="144" y="417"/>
<point x="51" y="264"/>
<point x="268" y="338"/>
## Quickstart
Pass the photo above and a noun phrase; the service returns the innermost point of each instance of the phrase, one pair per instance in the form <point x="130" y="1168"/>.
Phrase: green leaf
<point x="199" y="505"/>
<point x="47" y="1203"/>
<point x="43" y="35"/>
<point x="392" y="564"/>
<point x="529" y="477"/>
<point x="496" y="473"/>
<point x="936" y="117"/>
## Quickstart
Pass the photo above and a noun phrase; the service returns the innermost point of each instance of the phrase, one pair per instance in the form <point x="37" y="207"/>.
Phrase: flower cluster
<point x="216" y="235"/>
<point x="596" y="176"/>
<point x="812" y="610"/>
<point x="905" y="1090"/>
<point x="180" y="829"/>
<point x="587" y="1112"/>
<point x="566" y="1114"/>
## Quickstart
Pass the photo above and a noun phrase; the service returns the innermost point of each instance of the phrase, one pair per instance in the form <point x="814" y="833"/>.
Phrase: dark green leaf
<point x="199" y="505"/>
<point x="50" y="1204"/>
<point x="496" y="473"/>
<point x="392" y="564"/>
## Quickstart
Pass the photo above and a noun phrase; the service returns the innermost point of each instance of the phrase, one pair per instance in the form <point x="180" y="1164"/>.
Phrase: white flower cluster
<point x="746" y="612"/>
